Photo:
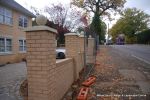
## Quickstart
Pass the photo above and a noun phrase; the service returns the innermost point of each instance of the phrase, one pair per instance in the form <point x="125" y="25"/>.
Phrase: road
<point x="140" y="52"/>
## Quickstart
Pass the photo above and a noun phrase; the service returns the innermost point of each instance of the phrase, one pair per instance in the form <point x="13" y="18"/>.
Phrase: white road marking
<point x="141" y="59"/>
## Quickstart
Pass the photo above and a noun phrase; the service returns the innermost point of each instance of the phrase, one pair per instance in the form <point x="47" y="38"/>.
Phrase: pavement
<point x="139" y="54"/>
<point x="119" y="73"/>
<point x="135" y="63"/>
<point x="11" y="76"/>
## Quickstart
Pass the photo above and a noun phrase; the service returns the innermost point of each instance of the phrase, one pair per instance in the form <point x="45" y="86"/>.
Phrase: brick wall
<point x="63" y="76"/>
<point x="49" y="79"/>
<point x="12" y="58"/>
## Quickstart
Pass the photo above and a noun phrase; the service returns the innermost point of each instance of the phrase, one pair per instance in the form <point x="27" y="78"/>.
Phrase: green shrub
<point x="143" y="37"/>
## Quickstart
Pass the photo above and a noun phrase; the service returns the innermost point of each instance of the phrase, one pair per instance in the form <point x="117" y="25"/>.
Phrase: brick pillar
<point x="81" y="42"/>
<point x="72" y="51"/>
<point x="41" y="61"/>
<point x="82" y="52"/>
<point x="90" y="50"/>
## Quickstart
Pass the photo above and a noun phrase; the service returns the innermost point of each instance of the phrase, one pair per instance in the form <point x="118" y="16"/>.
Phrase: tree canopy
<point x="143" y="37"/>
<point x="132" y="21"/>
<point x="99" y="6"/>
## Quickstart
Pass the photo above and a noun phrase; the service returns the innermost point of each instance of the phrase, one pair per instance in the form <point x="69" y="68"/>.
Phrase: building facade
<point x="13" y="19"/>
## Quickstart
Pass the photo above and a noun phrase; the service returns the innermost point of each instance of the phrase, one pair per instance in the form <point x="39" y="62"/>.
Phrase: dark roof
<point x="14" y="5"/>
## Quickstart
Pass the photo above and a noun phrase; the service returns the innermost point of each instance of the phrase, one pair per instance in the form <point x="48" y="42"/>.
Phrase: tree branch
<point x="91" y="6"/>
<point x="106" y="8"/>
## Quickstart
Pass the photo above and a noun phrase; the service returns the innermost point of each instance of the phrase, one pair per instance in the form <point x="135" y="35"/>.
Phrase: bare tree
<point x="64" y="16"/>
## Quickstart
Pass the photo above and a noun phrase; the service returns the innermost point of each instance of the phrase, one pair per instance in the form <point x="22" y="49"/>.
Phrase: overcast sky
<point x="140" y="4"/>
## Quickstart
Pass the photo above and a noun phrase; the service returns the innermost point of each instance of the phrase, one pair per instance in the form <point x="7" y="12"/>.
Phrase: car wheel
<point x="61" y="55"/>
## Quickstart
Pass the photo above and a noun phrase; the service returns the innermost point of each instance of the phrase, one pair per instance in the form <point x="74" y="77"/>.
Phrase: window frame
<point x="5" y="16"/>
<point x="24" y="21"/>
<point x="23" y="50"/>
<point x="5" y="45"/>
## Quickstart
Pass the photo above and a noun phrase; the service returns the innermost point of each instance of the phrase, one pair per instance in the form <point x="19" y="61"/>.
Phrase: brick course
<point x="41" y="62"/>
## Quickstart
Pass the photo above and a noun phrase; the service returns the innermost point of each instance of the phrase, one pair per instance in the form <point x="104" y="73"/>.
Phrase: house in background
<point x="13" y="19"/>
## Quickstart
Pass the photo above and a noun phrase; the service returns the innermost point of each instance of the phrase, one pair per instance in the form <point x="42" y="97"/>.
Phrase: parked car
<point x="60" y="53"/>
<point x="109" y="42"/>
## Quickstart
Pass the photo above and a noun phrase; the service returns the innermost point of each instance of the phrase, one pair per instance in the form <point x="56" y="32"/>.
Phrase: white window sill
<point x="21" y="28"/>
<point x="5" y="53"/>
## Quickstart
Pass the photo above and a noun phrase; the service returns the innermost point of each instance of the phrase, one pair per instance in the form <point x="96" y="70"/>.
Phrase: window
<point x="5" y="45"/>
<point x="23" y="21"/>
<point x="22" y="45"/>
<point x="5" y="16"/>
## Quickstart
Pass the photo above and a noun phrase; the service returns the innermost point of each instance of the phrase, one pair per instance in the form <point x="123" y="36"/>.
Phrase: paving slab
<point x="135" y="74"/>
<point x="145" y="86"/>
<point x="11" y="76"/>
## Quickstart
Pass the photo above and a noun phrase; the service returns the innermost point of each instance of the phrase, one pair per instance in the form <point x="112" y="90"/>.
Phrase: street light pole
<point x="85" y="49"/>
<point x="108" y="33"/>
<point x="84" y="34"/>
